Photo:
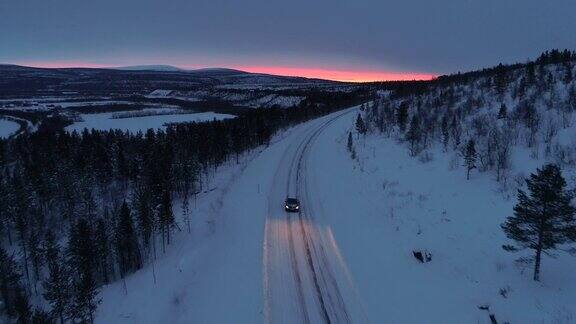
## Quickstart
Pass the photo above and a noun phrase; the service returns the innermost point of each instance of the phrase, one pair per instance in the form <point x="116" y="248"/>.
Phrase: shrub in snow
<point x="422" y="256"/>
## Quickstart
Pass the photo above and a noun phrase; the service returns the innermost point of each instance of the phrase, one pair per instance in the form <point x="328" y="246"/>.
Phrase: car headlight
<point x="297" y="207"/>
<point x="287" y="206"/>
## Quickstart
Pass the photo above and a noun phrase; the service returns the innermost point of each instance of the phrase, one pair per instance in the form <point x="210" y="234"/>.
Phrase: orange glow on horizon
<point x="339" y="75"/>
<point x="327" y="74"/>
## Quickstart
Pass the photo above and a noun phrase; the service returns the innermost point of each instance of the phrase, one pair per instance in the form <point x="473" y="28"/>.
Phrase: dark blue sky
<point x="431" y="36"/>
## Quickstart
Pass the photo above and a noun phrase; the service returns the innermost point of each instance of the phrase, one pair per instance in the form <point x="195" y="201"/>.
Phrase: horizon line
<point x="339" y="75"/>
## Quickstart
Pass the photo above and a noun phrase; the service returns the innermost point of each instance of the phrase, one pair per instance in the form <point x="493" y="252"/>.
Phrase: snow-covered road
<point x="247" y="261"/>
<point x="305" y="277"/>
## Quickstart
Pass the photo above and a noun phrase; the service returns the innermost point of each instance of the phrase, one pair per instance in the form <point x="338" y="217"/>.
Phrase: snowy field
<point x="387" y="204"/>
<point x="105" y="121"/>
<point x="8" y="128"/>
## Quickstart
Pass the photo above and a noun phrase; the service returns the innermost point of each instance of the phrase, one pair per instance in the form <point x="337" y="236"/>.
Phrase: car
<point x="292" y="205"/>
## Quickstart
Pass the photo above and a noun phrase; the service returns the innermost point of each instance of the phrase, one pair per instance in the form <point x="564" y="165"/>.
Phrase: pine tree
<point x="166" y="218"/>
<point x="22" y="307"/>
<point x="41" y="317"/>
<point x="470" y="157"/>
<point x="5" y="214"/>
<point x="103" y="251"/>
<point x="445" y="131"/>
<point x="57" y="285"/>
<point x="36" y="256"/>
<point x="545" y="218"/>
<point x="127" y="250"/>
<point x="568" y="72"/>
<point x="503" y="112"/>
<point x="350" y="146"/>
<point x="21" y="210"/>
<point x="455" y="131"/>
<point x="501" y="79"/>
<point x="88" y="207"/>
<point x="82" y="260"/>
<point x="142" y="204"/>
<point x="402" y="116"/>
<point x="360" y="125"/>
<point x="9" y="281"/>
<point x="414" y="135"/>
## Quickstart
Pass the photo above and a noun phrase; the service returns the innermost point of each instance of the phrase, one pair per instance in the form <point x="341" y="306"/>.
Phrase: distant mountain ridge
<point x="171" y="68"/>
<point x="159" y="68"/>
<point x="23" y="80"/>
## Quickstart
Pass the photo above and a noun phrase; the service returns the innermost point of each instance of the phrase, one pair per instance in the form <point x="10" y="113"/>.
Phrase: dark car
<point x="292" y="205"/>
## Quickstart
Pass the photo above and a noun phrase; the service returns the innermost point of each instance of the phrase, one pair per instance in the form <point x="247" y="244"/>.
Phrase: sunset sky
<point x="341" y="40"/>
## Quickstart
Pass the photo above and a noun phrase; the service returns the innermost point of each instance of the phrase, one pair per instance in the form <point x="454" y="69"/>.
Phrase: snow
<point x="215" y="275"/>
<point x="8" y="128"/>
<point x="388" y="204"/>
<point x="278" y="100"/>
<point x="159" y="93"/>
<point x="363" y="219"/>
<point x="104" y="121"/>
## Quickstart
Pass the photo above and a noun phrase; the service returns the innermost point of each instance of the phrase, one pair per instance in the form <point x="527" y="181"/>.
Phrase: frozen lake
<point x="8" y="128"/>
<point x="105" y="121"/>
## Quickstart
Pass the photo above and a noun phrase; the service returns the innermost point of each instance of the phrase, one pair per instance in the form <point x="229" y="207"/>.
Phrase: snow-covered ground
<point x="388" y="204"/>
<point x="217" y="274"/>
<point x="7" y="128"/>
<point x="105" y="121"/>
<point x="348" y="256"/>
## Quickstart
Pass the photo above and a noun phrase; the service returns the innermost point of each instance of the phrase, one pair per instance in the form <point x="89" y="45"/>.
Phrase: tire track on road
<point x="319" y="274"/>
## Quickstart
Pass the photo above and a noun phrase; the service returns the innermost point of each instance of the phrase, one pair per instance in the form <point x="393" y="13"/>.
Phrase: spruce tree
<point x="142" y="205"/>
<point x="57" y="285"/>
<point x="360" y="125"/>
<point x="103" y="251"/>
<point x="5" y="214"/>
<point x="23" y="310"/>
<point x="36" y="255"/>
<point x="543" y="219"/>
<point x="350" y="146"/>
<point x="41" y="317"/>
<point x="501" y="80"/>
<point x="455" y="131"/>
<point x="9" y="281"/>
<point x="413" y="135"/>
<point x="402" y="116"/>
<point x="82" y="261"/>
<point x="127" y="250"/>
<point x="503" y="112"/>
<point x="445" y="131"/>
<point x="166" y="218"/>
<point x="21" y="210"/>
<point x="470" y="157"/>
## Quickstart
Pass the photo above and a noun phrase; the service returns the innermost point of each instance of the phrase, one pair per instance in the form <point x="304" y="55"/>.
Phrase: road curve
<point x="305" y="278"/>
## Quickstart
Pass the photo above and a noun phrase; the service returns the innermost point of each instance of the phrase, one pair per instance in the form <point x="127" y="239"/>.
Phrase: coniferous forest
<point x="80" y="210"/>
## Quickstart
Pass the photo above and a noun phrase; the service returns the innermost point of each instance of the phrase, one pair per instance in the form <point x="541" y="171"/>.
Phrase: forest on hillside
<point x="497" y="111"/>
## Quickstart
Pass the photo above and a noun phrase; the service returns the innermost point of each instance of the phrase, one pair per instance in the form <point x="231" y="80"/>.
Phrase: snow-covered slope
<point x="386" y="204"/>
<point x="412" y="194"/>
